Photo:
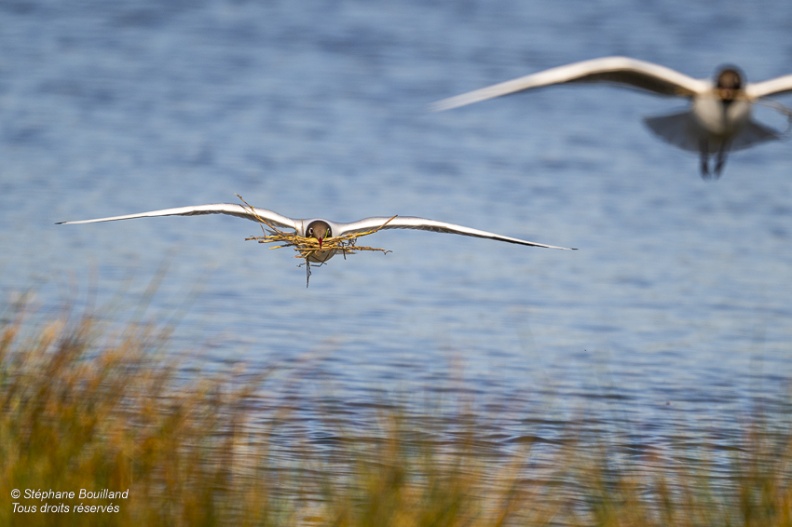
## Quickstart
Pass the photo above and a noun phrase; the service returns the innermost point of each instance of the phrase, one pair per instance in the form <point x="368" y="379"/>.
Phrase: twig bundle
<point x="780" y="108"/>
<point x="307" y="247"/>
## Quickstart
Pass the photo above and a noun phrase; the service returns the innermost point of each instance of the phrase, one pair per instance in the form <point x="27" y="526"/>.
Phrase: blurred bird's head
<point x="728" y="83"/>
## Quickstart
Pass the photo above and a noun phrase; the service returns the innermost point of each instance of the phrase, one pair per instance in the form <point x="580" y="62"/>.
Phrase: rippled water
<point x="674" y="313"/>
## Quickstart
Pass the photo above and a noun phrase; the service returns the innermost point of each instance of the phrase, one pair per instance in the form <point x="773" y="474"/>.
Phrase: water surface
<point x="674" y="314"/>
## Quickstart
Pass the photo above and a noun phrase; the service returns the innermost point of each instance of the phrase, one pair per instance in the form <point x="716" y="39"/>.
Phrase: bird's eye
<point x="310" y="231"/>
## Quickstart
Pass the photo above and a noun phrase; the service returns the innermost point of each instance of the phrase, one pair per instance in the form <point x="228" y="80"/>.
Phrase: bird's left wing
<point x="232" y="209"/>
<point x="620" y="70"/>
<point x="423" y="224"/>
<point x="769" y="87"/>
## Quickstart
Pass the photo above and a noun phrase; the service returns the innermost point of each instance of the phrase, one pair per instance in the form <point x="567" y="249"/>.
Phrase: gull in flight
<point x="322" y="231"/>
<point x="718" y="120"/>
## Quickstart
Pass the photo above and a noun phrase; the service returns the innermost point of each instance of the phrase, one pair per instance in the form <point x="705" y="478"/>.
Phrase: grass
<point x="308" y="247"/>
<point x="87" y="409"/>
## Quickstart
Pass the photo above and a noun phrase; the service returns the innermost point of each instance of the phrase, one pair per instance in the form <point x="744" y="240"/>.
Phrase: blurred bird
<point x="719" y="119"/>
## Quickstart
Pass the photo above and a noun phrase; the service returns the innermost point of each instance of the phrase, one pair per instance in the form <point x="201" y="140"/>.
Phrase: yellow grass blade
<point x="307" y="247"/>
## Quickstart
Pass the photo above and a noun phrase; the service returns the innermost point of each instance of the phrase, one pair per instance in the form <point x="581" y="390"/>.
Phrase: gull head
<point x="728" y="83"/>
<point x="320" y="230"/>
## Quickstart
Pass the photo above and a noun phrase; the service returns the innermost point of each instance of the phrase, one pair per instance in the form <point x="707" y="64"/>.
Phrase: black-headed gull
<point x="718" y="120"/>
<point x="320" y="229"/>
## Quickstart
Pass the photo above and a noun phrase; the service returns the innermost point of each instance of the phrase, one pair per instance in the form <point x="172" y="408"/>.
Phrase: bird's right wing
<point x="410" y="222"/>
<point x="777" y="86"/>
<point x="621" y="70"/>
<point x="232" y="209"/>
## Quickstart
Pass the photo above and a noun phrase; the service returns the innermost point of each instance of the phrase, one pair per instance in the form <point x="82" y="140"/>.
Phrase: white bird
<point x="718" y="120"/>
<point x="318" y="228"/>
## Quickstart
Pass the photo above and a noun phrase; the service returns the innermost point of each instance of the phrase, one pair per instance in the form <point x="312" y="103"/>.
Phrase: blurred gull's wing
<point x="232" y="209"/>
<point x="769" y="87"/>
<point x="623" y="70"/>
<point x="408" y="222"/>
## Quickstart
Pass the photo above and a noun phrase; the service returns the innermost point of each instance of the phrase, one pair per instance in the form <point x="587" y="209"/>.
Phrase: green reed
<point x="84" y="408"/>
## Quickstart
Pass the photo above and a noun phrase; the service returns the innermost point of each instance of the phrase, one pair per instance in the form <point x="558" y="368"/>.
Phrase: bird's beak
<point x="728" y="94"/>
<point x="320" y="242"/>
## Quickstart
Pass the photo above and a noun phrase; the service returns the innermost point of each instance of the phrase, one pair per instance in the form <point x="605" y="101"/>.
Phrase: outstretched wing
<point x="409" y="222"/>
<point x="232" y="209"/>
<point x="766" y="88"/>
<point x="621" y="70"/>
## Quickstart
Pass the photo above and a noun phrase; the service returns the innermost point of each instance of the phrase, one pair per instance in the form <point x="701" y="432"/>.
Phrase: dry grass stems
<point x="84" y="408"/>
<point x="780" y="108"/>
<point x="310" y="249"/>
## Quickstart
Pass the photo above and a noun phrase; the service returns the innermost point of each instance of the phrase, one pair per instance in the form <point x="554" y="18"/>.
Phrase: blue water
<point x="675" y="314"/>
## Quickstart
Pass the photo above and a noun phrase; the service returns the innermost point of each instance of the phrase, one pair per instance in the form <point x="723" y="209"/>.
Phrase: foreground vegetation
<point x="84" y="409"/>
